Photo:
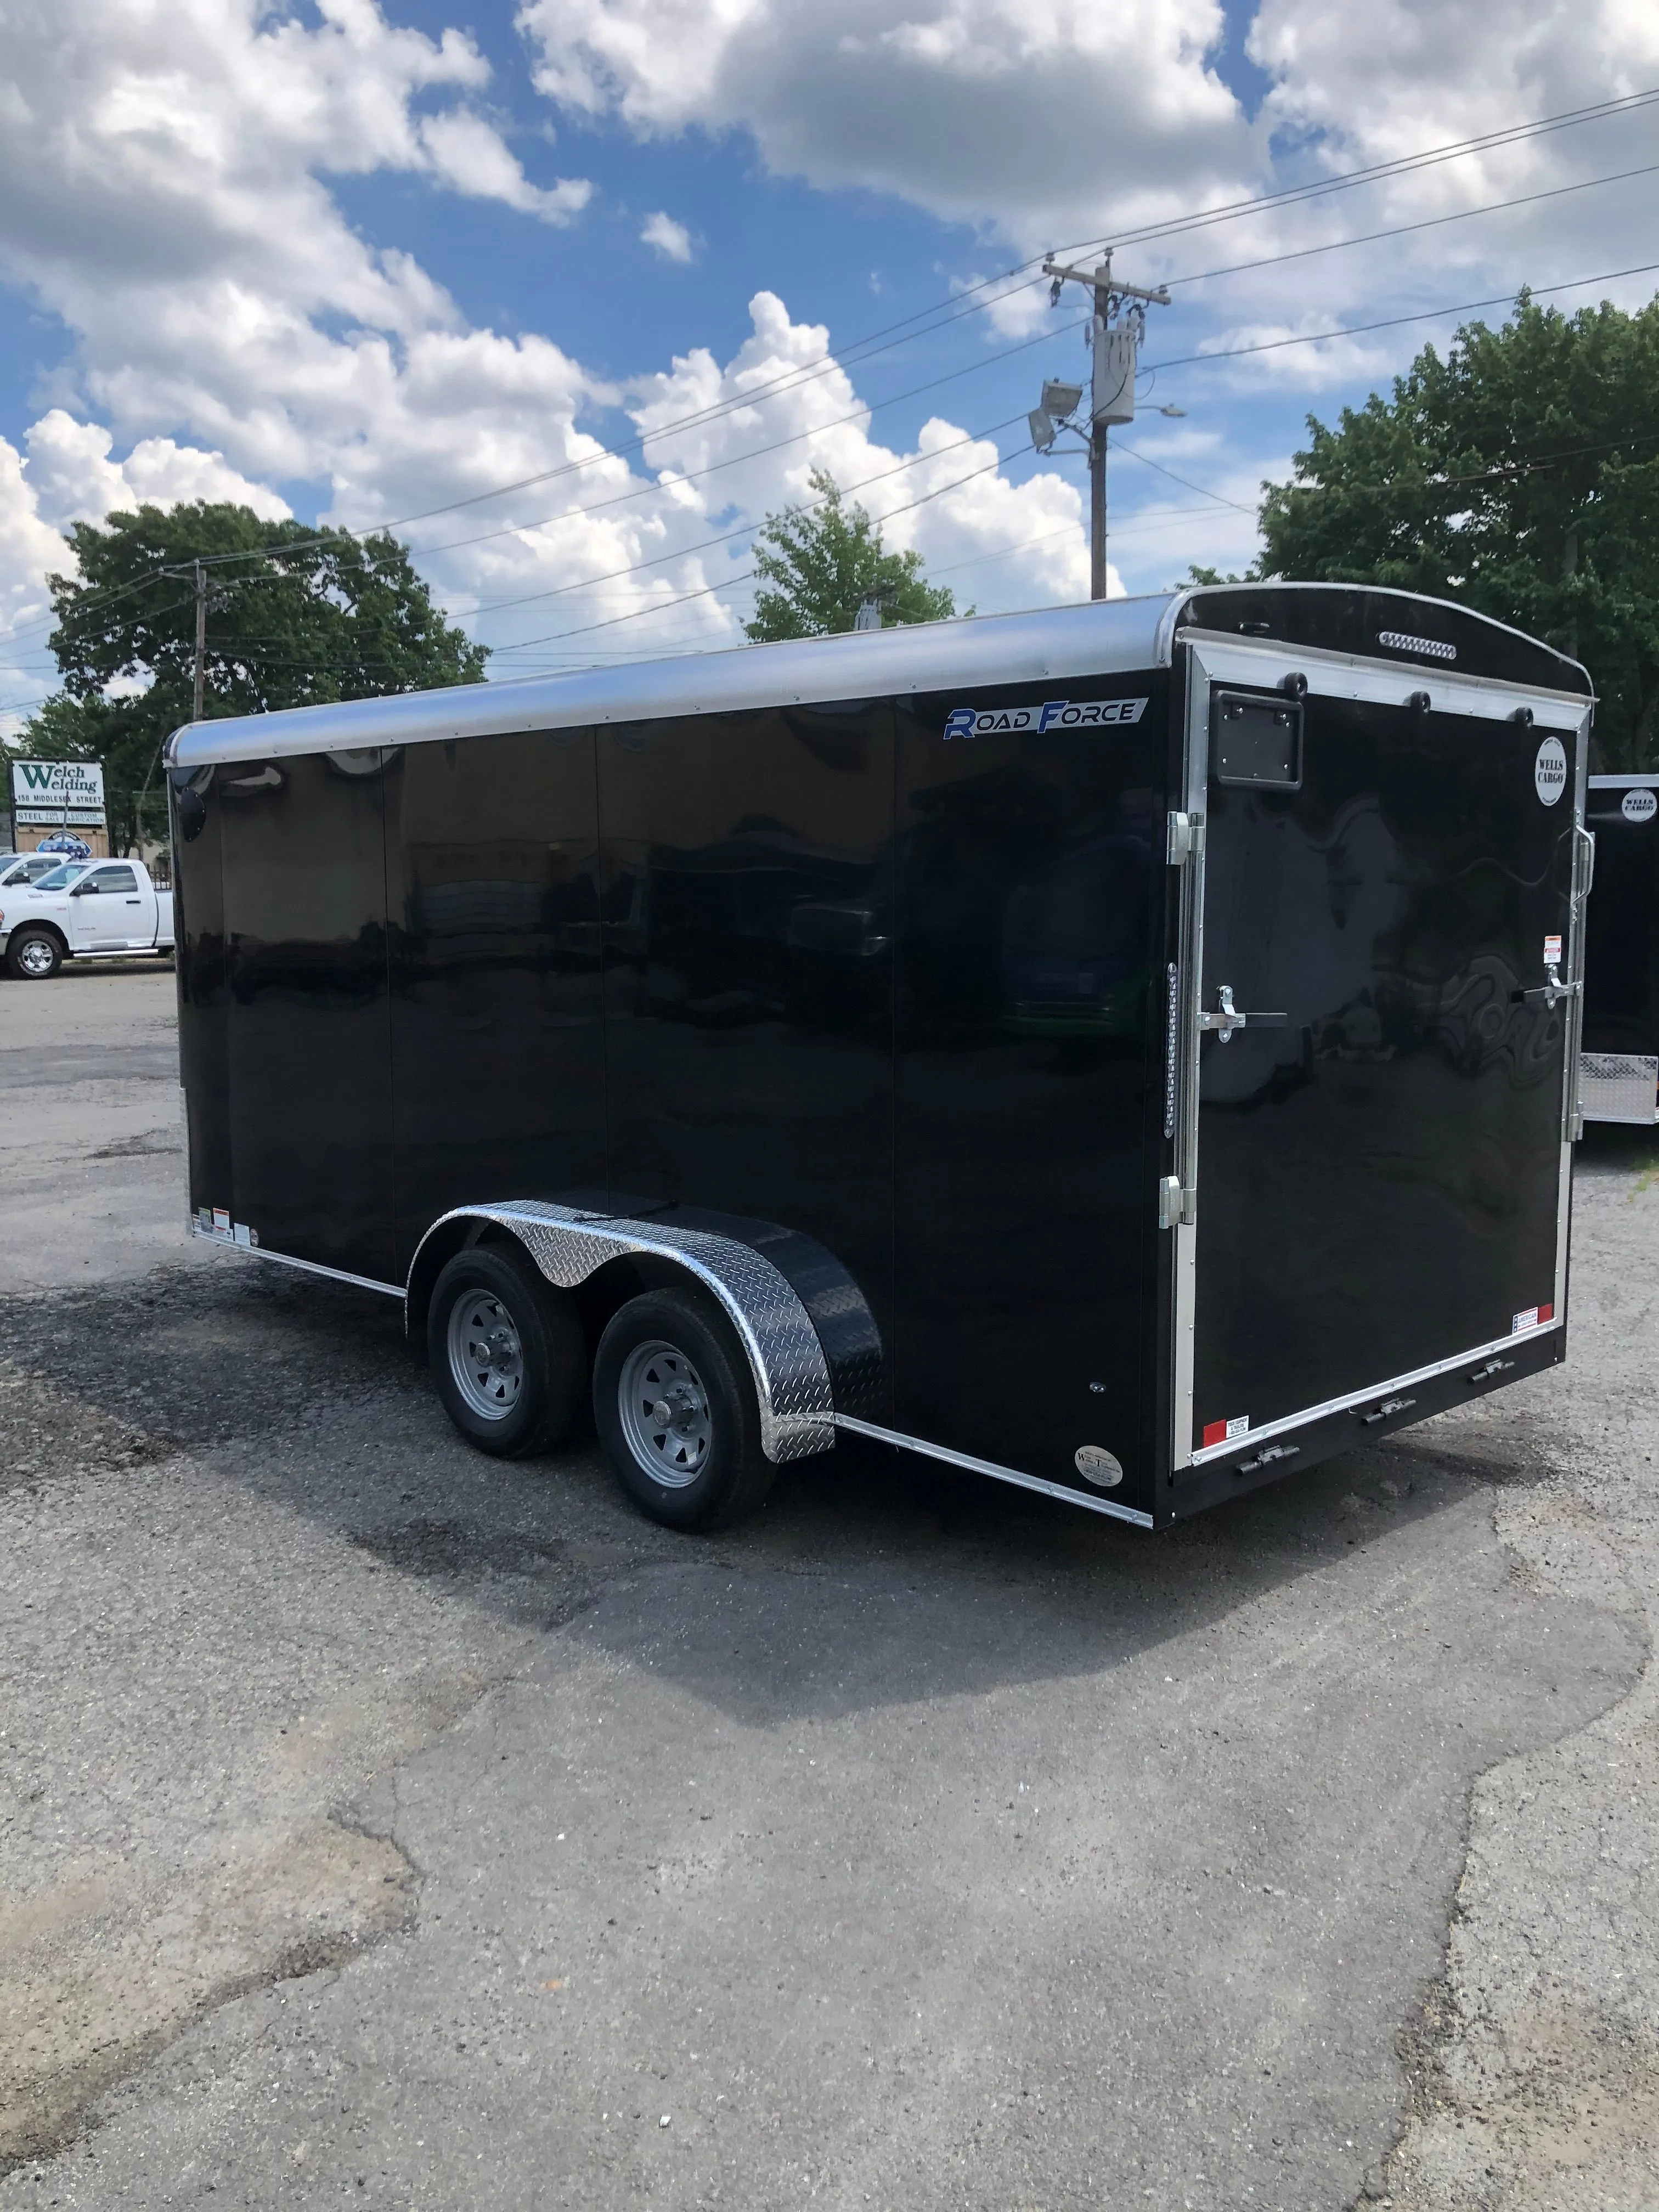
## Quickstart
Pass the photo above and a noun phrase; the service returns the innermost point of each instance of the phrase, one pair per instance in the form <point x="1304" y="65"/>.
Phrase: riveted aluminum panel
<point x="791" y="1378"/>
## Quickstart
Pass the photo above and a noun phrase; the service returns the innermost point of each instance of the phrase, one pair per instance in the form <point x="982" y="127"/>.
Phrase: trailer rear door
<point x="1375" y="1023"/>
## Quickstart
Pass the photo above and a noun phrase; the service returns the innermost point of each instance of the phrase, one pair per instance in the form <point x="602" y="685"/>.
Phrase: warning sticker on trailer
<point x="1227" y="1432"/>
<point x="1533" y="1317"/>
<point x="1551" y="952"/>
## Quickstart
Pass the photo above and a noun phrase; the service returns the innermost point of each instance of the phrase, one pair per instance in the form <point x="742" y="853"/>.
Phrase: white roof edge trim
<point x="1278" y="650"/>
<point x="1102" y="638"/>
<point x="1056" y="644"/>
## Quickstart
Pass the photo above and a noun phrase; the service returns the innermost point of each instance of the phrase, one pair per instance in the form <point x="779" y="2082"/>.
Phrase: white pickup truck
<point x="109" y="909"/>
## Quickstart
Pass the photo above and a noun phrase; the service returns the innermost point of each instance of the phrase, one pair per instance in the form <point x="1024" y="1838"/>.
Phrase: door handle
<point x="1228" y="1019"/>
<point x="1548" y="993"/>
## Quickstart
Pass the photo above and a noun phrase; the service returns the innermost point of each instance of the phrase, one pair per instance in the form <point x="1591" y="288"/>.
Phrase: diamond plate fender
<point x="791" y="1377"/>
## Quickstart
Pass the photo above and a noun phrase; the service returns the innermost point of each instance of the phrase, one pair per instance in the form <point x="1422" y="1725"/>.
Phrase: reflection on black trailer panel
<point x="1024" y="1226"/>
<point x="309" y="1031"/>
<point x="748" y="971"/>
<point x="199" y="921"/>
<point x="497" y="1031"/>
<point x="1621" y="957"/>
<point x="1378" y="1175"/>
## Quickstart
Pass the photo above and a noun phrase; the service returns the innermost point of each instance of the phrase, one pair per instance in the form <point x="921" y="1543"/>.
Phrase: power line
<point x="1392" y="322"/>
<point x="881" y="340"/>
<point x="859" y="350"/>
<point x="663" y="605"/>
<point x="1147" y="462"/>
<point x="1402" y="229"/>
<point x="1383" y="171"/>
<point x="743" y="530"/>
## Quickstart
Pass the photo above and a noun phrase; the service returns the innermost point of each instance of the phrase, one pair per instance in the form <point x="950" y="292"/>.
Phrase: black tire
<point x="538" y="1380"/>
<point x="707" y="1469"/>
<point x="41" y="948"/>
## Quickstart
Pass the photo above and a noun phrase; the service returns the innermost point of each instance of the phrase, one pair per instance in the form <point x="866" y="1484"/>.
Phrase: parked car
<point x="19" y="870"/>
<point x="101" y="908"/>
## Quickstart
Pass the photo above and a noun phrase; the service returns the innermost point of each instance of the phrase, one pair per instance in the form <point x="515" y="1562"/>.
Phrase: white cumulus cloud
<point x="1046" y="118"/>
<point x="671" y="239"/>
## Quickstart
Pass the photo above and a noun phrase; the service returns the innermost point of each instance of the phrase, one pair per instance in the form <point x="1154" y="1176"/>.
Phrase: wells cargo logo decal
<point x="1053" y="714"/>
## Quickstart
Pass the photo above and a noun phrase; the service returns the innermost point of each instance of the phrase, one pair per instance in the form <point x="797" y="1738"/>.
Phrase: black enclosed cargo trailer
<point x="1619" y="1066"/>
<point x="1126" y="1050"/>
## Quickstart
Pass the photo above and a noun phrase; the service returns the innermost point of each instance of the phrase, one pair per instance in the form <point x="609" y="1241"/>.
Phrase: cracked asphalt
<point x="381" y="1824"/>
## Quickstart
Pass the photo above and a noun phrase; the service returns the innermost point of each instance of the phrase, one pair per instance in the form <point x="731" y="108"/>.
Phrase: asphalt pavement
<point x="379" y="1823"/>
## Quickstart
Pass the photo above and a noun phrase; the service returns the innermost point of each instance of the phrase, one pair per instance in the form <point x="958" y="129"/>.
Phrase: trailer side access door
<point x="1373" y="1030"/>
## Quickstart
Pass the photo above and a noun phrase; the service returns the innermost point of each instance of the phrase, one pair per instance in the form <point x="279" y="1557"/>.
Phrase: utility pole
<point x="201" y="642"/>
<point x="1115" y="336"/>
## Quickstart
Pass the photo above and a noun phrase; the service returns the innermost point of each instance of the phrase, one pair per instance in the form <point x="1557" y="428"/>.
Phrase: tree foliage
<point x="296" y="617"/>
<point x="824" y="561"/>
<point x="1519" y="476"/>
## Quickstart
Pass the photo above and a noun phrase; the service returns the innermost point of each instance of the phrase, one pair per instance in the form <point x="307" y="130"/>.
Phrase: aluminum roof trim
<point x="1052" y="645"/>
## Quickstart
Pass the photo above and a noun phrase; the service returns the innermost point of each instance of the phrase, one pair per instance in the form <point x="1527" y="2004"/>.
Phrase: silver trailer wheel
<point x="664" y="1411"/>
<point x="485" y="1355"/>
<point x="37" y="957"/>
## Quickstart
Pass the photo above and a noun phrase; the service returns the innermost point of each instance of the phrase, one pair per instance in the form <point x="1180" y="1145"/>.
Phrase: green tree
<point x="1519" y="476"/>
<point x="295" y="617"/>
<point x="824" y="560"/>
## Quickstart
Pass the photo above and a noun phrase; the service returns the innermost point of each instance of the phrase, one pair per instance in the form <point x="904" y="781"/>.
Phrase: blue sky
<point x="357" y="261"/>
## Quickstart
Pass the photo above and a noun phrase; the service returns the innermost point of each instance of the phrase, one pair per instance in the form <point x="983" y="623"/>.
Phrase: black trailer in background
<point x="1619" y="1071"/>
<point x="1127" y="1050"/>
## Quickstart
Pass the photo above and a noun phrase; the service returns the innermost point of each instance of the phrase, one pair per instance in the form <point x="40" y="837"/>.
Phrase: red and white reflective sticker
<point x="1226" y="1432"/>
<point x="1533" y="1317"/>
<point x="1551" y="952"/>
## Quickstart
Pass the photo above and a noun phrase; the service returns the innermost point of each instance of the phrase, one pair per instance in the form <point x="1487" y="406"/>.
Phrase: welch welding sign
<point x="68" y="793"/>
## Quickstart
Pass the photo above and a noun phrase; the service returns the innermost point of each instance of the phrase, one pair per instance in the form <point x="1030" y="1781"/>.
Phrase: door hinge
<point x="1186" y="837"/>
<point x="1177" y="1204"/>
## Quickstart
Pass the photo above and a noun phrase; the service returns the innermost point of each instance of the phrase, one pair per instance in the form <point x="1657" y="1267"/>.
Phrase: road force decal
<point x="1053" y="714"/>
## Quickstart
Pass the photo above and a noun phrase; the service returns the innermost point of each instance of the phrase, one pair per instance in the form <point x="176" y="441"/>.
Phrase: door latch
<point x="1548" y="993"/>
<point x="1229" y="1019"/>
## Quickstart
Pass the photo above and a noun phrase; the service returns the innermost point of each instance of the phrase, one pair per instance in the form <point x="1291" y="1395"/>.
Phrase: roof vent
<point x="1401" y="640"/>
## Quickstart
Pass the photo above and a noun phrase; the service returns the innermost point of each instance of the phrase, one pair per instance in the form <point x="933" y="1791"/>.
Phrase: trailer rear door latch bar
<point x="1266" y="1458"/>
<point x="1548" y="994"/>
<point x="1492" y="1367"/>
<point x="1388" y="1405"/>
<point x="1228" y="1019"/>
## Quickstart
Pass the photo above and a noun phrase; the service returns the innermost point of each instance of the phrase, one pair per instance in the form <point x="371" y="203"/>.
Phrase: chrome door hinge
<point x="1186" y="837"/>
<point x="1177" y="1204"/>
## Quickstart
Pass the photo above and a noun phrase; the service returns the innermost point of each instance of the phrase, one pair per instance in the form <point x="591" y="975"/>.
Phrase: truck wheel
<point x="506" y="1350"/>
<point x="675" y="1405"/>
<point x="33" y="956"/>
